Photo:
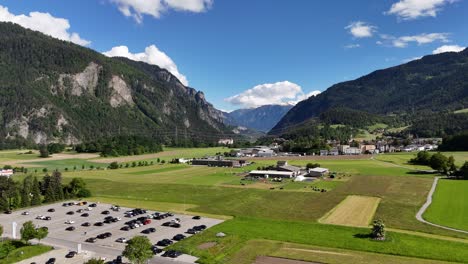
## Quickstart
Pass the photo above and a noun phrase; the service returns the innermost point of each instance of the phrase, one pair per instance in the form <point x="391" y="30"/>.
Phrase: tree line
<point x="441" y="163"/>
<point x="32" y="192"/>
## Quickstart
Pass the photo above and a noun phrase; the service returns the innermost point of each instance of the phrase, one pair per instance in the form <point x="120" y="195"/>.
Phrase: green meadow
<point x="285" y="212"/>
<point x="450" y="204"/>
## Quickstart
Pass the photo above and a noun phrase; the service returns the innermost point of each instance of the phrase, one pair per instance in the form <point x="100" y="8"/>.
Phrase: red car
<point x="147" y="222"/>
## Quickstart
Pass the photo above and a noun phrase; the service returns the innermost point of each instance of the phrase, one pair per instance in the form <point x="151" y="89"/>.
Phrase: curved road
<point x="427" y="204"/>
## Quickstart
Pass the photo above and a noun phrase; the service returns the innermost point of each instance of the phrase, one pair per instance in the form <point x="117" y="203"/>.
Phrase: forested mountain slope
<point x="432" y="84"/>
<point x="56" y="91"/>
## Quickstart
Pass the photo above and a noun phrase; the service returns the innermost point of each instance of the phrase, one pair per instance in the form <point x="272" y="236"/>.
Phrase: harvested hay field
<point x="273" y="260"/>
<point x="354" y="210"/>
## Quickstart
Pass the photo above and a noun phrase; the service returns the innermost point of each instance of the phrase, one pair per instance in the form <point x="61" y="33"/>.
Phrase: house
<point x="270" y="174"/>
<point x="352" y="151"/>
<point x="333" y="152"/>
<point x="283" y="166"/>
<point x="343" y="148"/>
<point x="323" y="152"/>
<point x="226" y="141"/>
<point x="6" y="173"/>
<point x="318" y="172"/>
<point x="367" y="148"/>
<point x="265" y="153"/>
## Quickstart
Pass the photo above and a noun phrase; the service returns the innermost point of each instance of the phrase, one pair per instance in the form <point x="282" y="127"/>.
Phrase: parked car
<point x="197" y="217"/>
<point x="86" y="224"/>
<point x="192" y="231"/>
<point x="71" y="254"/>
<point x="70" y="228"/>
<point x="48" y="218"/>
<point x="171" y="254"/>
<point x="93" y="205"/>
<point x="91" y="240"/>
<point x="80" y="211"/>
<point x="8" y="212"/>
<point x="164" y="243"/>
<point x="70" y="213"/>
<point x="69" y="222"/>
<point x="125" y="228"/>
<point x="121" y="240"/>
<point x="147" y="222"/>
<point x="84" y="215"/>
<point x="106" y="212"/>
<point x="51" y="210"/>
<point x="200" y="227"/>
<point x="25" y="213"/>
<point x="149" y="230"/>
<point x="51" y="261"/>
<point x="178" y="237"/>
<point x="156" y="250"/>
<point x="98" y="224"/>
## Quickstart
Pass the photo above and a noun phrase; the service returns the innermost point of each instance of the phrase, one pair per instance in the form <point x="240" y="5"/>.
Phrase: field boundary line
<point x="422" y="210"/>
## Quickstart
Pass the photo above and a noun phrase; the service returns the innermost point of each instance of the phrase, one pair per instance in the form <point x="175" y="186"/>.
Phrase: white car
<point x="69" y="222"/>
<point x="40" y="217"/>
<point x="89" y="209"/>
<point x="121" y="240"/>
<point x="25" y="213"/>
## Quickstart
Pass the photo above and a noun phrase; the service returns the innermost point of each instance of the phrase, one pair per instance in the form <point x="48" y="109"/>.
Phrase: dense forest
<point x="56" y="91"/>
<point x="457" y="142"/>
<point x="120" y="146"/>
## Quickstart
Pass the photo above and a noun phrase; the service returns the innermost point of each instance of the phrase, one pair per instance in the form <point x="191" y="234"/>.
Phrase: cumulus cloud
<point x="448" y="48"/>
<point x="269" y="94"/>
<point x="45" y="23"/>
<point x="138" y="8"/>
<point x="151" y="55"/>
<point x="413" y="9"/>
<point x="360" y="29"/>
<point x="403" y="42"/>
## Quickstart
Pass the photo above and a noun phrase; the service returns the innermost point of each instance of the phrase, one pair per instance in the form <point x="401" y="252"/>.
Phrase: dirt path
<point x="419" y="215"/>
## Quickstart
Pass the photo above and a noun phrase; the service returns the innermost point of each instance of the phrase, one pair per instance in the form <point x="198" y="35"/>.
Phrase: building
<point x="333" y="152"/>
<point x="217" y="162"/>
<point x="367" y="148"/>
<point x="323" y="152"/>
<point x="6" y="173"/>
<point x="265" y="153"/>
<point x="284" y="166"/>
<point x="343" y="148"/>
<point x="318" y="172"/>
<point x="352" y="151"/>
<point x="226" y="141"/>
<point x="270" y="174"/>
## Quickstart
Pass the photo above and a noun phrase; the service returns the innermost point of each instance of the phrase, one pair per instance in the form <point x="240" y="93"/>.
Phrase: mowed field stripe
<point x="354" y="210"/>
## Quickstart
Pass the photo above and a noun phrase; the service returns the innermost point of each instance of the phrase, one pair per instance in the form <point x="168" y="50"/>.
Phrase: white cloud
<point x="269" y="94"/>
<point x="448" y="48"/>
<point x="138" y="8"/>
<point x="361" y="29"/>
<point x="352" y="46"/>
<point x="45" y="23"/>
<point x="151" y="55"/>
<point x="403" y="42"/>
<point x="413" y="9"/>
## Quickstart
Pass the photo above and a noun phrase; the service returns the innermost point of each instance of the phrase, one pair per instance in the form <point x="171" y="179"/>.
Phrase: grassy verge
<point x="24" y="251"/>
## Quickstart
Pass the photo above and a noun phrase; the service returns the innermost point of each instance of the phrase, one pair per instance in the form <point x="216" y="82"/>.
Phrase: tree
<point x="28" y="231"/>
<point x="378" y="230"/>
<point x="76" y="184"/>
<point x="26" y="191"/>
<point x="41" y="233"/>
<point x="95" y="261"/>
<point x="43" y="151"/>
<point x="114" y="165"/>
<point x="1" y="230"/>
<point x="439" y="163"/>
<point x="138" y="250"/>
<point x="35" y="192"/>
<point x="462" y="173"/>
<point x="452" y="168"/>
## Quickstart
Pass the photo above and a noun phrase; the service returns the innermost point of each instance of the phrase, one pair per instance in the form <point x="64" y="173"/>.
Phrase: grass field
<point x="402" y="158"/>
<point x="286" y="214"/>
<point x="23" y="251"/>
<point x="450" y="204"/>
<point x="353" y="211"/>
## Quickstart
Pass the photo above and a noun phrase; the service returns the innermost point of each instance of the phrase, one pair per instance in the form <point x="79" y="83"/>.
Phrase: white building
<point x="226" y="141"/>
<point x="6" y="173"/>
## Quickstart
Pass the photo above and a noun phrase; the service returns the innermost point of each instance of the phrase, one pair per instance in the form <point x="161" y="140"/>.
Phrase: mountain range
<point x="262" y="118"/>
<point x="424" y="87"/>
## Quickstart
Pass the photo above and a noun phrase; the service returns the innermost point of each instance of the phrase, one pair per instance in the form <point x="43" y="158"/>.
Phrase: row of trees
<point x="440" y="163"/>
<point x="121" y="146"/>
<point x="32" y="192"/>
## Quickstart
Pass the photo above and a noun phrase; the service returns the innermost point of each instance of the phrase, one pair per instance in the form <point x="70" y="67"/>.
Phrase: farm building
<point x="219" y="162"/>
<point x="318" y="172"/>
<point x="270" y="174"/>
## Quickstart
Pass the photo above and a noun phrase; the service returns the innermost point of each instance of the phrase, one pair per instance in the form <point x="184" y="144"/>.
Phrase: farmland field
<point x="286" y="212"/>
<point x="353" y="211"/>
<point x="450" y="204"/>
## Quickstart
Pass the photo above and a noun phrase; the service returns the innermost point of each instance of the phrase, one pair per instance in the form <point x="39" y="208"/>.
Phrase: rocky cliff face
<point x="262" y="118"/>
<point x="55" y="91"/>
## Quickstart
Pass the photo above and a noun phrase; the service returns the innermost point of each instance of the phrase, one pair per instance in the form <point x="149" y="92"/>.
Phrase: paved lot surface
<point x="109" y="248"/>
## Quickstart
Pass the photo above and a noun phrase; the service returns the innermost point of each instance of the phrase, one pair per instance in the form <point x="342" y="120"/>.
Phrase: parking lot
<point x="107" y="247"/>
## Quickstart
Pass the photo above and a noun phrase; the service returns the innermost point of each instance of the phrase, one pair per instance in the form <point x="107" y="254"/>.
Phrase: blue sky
<point x="245" y="53"/>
